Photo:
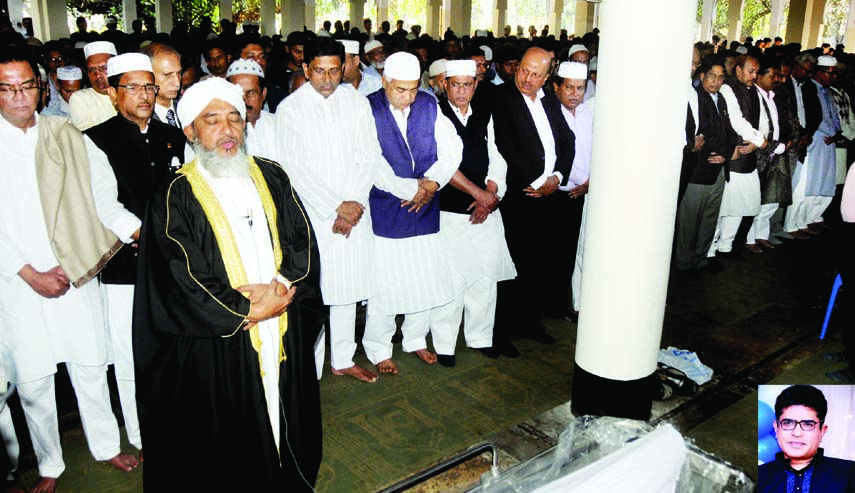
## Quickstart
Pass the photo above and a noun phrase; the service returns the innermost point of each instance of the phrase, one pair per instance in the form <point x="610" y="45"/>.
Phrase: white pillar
<point x="849" y="37"/>
<point x="163" y="15"/>
<point x="129" y="14"/>
<point x="226" y="10"/>
<point x="268" y="17"/>
<point x="624" y="289"/>
<point x="50" y="19"/>
<point x="814" y="26"/>
<point x="309" y="15"/>
<point x="556" y="11"/>
<point x="16" y="12"/>
<point x="357" y="14"/>
<point x="500" y="16"/>
<point x="734" y="20"/>
<point x="382" y="14"/>
<point x="776" y="17"/>
<point x="433" y="25"/>
<point x="293" y="16"/>
<point x="707" y="14"/>
<point x="584" y="17"/>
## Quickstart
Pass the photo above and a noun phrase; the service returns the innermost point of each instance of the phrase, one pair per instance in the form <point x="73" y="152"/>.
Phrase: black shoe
<point x="713" y="266"/>
<point x="692" y="273"/>
<point x="488" y="351"/>
<point x="733" y="256"/>
<point x="541" y="337"/>
<point x="508" y="350"/>
<point x="447" y="360"/>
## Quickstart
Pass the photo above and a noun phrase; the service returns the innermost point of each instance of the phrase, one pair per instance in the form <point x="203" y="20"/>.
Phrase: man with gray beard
<point x="226" y="313"/>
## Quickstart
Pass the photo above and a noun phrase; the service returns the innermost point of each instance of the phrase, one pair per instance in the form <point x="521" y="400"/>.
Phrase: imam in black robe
<point x="202" y="409"/>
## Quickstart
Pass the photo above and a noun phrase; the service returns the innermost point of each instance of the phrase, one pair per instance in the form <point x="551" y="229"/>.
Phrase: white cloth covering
<point x="88" y="108"/>
<point x="242" y="205"/>
<point x="261" y="138"/>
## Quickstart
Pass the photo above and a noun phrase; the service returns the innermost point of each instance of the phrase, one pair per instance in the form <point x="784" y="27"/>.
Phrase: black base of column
<point x="595" y="395"/>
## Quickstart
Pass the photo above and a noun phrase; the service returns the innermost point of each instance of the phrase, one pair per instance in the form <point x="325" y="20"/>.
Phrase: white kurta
<point x="242" y="205"/>
<point x="88" y="108"/>
<point x="329" y="148"/>
<point x="261" y="138"/>
<point x="41" y="332"/>
<point x="582" y="125"/>
<point x="413" y="274"/>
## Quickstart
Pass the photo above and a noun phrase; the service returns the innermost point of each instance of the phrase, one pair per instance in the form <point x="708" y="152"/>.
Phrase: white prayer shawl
<point x="40" y="332"/>
<point x="329" y="149"/>
<point x="414" y="274"/>
<point x="88" y="108"/>
<point x="261" y="138"/>
<point x="582" y="125"/>
<point x="241" y="203"/>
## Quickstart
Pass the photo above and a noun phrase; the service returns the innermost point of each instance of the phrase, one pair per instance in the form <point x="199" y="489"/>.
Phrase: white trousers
<point x="38" y="399"/>
<point x="379" y="329"/>
<point x="476" y="304"/>
<point x="761" y="226"/>
<point x="10" y="440"/>
<point x="725" y="232"/>
<point x="120" y="310"/>
<point x="342" y="336"/>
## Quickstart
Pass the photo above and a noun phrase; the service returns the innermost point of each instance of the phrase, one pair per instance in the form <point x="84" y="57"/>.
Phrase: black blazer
<point x="719" y="137"/>
<point x="519" y="143"/>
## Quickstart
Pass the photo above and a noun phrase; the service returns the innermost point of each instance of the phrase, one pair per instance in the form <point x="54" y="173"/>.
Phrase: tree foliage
<point x="193" y="11"/>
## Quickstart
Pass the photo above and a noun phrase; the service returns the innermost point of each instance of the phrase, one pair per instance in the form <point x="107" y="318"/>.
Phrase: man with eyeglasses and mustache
<point x="260" y="124"/>
<point x="91" y="106"/>
<point x="129" y="154"/>
<point x="800" y="412"/>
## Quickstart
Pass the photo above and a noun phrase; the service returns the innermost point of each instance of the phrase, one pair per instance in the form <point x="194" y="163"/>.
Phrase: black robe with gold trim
<point x="202" y="409"/>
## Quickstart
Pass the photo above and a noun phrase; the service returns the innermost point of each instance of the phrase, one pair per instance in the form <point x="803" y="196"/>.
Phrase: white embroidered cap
<point x="351" y="47"/>
<point x="573" y="70"/>
<point x="455" y="68"/>
<point x="69" y="73"/>
<point x="437" y="67"/>
<point x="129" y="62"/>
<point x="199" y="95"/>
<point x="243" y="66"/>
<point x="99" y="47"/>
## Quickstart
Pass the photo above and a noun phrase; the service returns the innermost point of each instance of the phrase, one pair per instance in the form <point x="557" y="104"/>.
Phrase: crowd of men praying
<point x="439" y="179"/>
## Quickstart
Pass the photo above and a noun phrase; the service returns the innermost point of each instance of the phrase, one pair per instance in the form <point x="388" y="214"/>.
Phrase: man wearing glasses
<point x="800" y="412"/>
<point x="91" y="106"/>
<point x="129" y="154"/>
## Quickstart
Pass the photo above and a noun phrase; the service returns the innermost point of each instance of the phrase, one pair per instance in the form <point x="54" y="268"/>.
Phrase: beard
<point x="378" y="65"/>
<point x="222" y="166"/>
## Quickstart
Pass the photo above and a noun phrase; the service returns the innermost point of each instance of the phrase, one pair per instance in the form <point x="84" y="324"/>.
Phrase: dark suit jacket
<point x="519" y="143"/>
<point x="719" y="137"/>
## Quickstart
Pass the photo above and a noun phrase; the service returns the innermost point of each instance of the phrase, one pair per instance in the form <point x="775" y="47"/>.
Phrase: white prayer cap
<point x="323" y="33"/>
<point x="826" y="61"/>
<point x="437" y="67"/>
<point x="741" y="50"/>
<point x="402" y="66"/>
<point x="573" y="70"/>
<point x="488" y="52"/>
<point x="480" y="33"/>
<point x="242" y="66"/>
<point x="592" y="65"/>
<point x="69" y="73"/>
<point x="199" y="95"/>
<point x="129" y="62"/>
<point x="455" y="68"/>
<point x="575" y="48"/>
<point x="372" y="45"/>
<point x="351" y="47"/>
<point x="80" y="45"/>
<point x="99" y="47"/>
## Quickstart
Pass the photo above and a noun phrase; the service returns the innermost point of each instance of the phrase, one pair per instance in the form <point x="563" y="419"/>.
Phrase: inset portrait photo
<point x="806" y="438"/>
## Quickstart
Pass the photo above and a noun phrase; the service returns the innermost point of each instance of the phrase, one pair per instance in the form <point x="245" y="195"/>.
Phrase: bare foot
<point x="387" y="366"/>
<point x="358" y="373"/>
<point x="124" y="462"/>
<point x="44" y="485"/>
<point x="428" y="357"/>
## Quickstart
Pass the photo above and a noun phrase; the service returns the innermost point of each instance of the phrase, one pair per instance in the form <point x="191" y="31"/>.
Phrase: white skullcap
<point x="351" y="47"/>
<point x="826" y="61"/>
<point x="199" y="95"/>
<point x="99" y="47"/>
<point x="592" y="65"/>
<point x="323" y="33"/>
<point x="437" y="67"/>
<point x="575" y="48"/>
<point x="741" y="50"/>
<point x="488" y="52"/>
<point x="69" y="73"/>
<point x="242" y="66"/>
<point x="402" y="66"/>
<point x="372" y="45"/>
<point x="129" y="62"/>
<point x="80" y="45"/>
<point x="480" y="33"/>
<point x="454" y="68"/>
<point x="573" y="70"/>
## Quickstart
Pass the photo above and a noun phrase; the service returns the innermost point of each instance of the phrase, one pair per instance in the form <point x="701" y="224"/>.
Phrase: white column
<point x="293" y="16"/>
<point x="849" y="38"/>
<point x="556" y="11"/>
<point x="584" y="17"/>
<point x="500" y="16"/>
<point x="163" y="15"/>
<point x="226" y="10"/>
<point x="433" y="26"/>
<point x="309" y="15"/>
<point x="50" y="19"/>
<point x="814" y="26"/>
<point x="16" y="12"/>
<point x="268" y="17"/>
<point x="734" y="20"/>
<point x="776" y="17"/>
<point x="129" y="14"/>
<point x="382" y="14"/>
<point x="707" y="13"/>
<point x="357" y="14"/>
<point x="624" y="289"/>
